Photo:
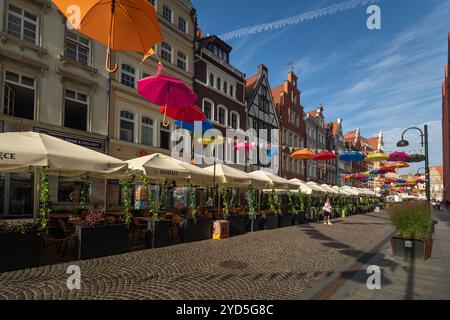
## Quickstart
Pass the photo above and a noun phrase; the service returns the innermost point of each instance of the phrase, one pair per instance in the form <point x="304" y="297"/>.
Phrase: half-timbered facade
<point x="262" y="115"/>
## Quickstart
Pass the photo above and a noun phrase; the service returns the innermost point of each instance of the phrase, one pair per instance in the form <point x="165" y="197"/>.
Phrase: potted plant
<point x="158" y="234"/>
<point x="254" y="219"/>
<point x="414" y="227"/>
<point x="300" y="213"/>
<point x="195" y="228"/>
<point x="270" y="220"/>
<point x="287" y="218"/>
<point x="237" y="222"/>
<point x="20" y="246"/>
<point x="99" y="236"/>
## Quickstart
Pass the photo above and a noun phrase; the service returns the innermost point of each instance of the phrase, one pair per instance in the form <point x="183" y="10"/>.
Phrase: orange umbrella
<point x="304" y="154"/>
<point x="398" y="165"/>
<point x="124" y="25"/>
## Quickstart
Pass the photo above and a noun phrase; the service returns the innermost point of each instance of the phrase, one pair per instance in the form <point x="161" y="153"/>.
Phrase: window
<point x="234" y="120"/>
<point x="147" y="131"/>
<point x="211" y="80"/>
<point x="75" y="110"/>
<point x="78" y="47"/>
<point x="166" y="52"/>
<point x="219" y="84"/>
<point x="264" y="91"/>
<point x="182" y="25"/>
<point x="19" y="96"/>
<point x="126" y="126"/>
<point x="208" y="109"/>
<point x="22" y="24"/>
<point x="231" y="91"/>
<point x="128" y="76"/>
<point x="167" y="13"/>
<point x="182" y="61"/>
<point x="164" y="142"/>
<point x="69" y="190"/>
<point x="225" y="87"/>
<point x="221" y="115"/>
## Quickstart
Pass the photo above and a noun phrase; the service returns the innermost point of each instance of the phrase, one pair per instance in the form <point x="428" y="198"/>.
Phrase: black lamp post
<point x="424" y="143"/>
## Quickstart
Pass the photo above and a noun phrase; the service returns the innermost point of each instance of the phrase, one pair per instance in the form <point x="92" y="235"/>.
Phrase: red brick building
<point x="292" y="126"/>
<point x="446" y="127"/>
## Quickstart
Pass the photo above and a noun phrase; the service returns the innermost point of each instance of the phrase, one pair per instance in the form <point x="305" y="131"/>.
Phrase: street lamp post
<point x="424" y="143"/>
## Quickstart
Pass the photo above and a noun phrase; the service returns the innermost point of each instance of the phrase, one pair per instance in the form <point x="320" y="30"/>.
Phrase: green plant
<point x="84" y="192"/>
<point x="274" y="202"/>
<point x="412" y="220"/>
<point x="192" y="201"/>
<point x="291" y="205"/>
<point x="44" y="210"/>
<point x="301" y="202"/>
<point x="126" y="189"/>
<point x="223" y="193"/>
<point x="251" y="201"/>
<point x="152" y="206"/>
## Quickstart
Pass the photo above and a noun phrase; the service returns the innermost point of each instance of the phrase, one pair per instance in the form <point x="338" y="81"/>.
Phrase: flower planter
<point x="196" y="231"/>
<point x="412" y="248"/>
<point x="270" y="221"/>
<point x="285" y="220"/>
<point x="20" y="251"/>
<point x="300" y="218"/>
<point x="254" y="224"/>
<point x="101" y="240"/>
<point x="158" y="235"/>
<point x="237" y="224"/>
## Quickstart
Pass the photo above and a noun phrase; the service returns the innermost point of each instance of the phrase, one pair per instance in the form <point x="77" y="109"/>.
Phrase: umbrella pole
<point x="36" y="189"/>
<point x="108" y="67"/>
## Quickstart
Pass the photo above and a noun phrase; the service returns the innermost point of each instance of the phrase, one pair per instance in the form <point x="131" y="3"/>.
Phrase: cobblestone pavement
<point x="272" y="264"/>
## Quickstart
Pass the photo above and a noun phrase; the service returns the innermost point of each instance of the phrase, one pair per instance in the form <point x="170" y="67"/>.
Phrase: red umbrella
<point x="360" y="176"/>
<point x="399" y="157"/>
<point x="190" y="115"/>
<point x="169" y="93"/>
<point x="384" y="170"/>
<point x="325" y="155"/>
<point x="390" y="180"/>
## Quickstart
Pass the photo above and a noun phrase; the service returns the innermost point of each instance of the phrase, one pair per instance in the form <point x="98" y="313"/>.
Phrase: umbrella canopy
<point x="399" y="157"/>
<point x="191" y="114"/>
<point x="216" y="141"/>
<point x="329" y="189"/>
<point x="374" y="171"/>
<point x="304" y="154"/>
<point x="232" y="177"/>
<point x="22" y="150"/>
<point x="352" y="156"/>
<point x="205" y="125"/>
<point x="351" y="190"/>
<point x="160" y="168"/>
<point x="359" y="176"/>
<point x="420" y="180"/>
<point x="273" y="180"/>
<point x="324" y="156"/>
<point x="171" y="94"/>
<point x="198" y="176"/>
<point x="384" y="170"/>
<point x="316" y="187"/>
<point x="304" y="188"/>
<point x="398" y="165"/>
<point x="342" y="191"/>
<point x="416" y="157"/>
<point x="376" y="156"/>
<point x="124" y="25"/>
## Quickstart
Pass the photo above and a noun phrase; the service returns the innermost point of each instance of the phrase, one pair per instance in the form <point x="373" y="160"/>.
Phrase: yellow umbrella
<point x="216" y="141"/>
<point x="376" y="156"/>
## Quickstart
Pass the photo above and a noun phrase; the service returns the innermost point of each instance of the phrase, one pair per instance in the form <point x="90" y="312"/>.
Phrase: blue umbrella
<point x="374" y="171"/>
<point x="401" y="181"/>
<point x="352" y="156"/>
<point x="206" y="125"/>
<point x="368" y="179"/>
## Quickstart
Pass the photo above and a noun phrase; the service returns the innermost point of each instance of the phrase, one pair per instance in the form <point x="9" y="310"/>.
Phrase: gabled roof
<point x="250" y="85"/>
<point x="373" y="142"/>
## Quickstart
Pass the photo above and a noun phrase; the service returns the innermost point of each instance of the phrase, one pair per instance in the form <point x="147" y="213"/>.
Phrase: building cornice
<point x="23" y="61"/>
<point x="4" y="38"/>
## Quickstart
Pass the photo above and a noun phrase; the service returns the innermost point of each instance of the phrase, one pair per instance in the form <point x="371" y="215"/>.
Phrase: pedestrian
<point x="327" y="212"/>
<point x="209" y="202"/>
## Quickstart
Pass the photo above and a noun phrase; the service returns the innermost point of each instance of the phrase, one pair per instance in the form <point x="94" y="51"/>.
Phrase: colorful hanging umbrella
<point x="206" y="125"/>
<point x="216" y="141"/>
<point x="374" y="171"/>
<point x="172" y="95"/>
<point x="121" y="25"/>
<point x="304" y="154"/>
<point x="384" y="170"/>
<point x="398" y="165"/>
<point x="420" y="181"/>
<point x="416" y="157"/>
<point x="400" y="181"/>
<point x="359" y="176"/>
<point x="324" y="156"/>
<point x="352" y="156"/>
<point x="376" y="156"/>
<point x="399" y="157"/>
<point x="244" y="146"/>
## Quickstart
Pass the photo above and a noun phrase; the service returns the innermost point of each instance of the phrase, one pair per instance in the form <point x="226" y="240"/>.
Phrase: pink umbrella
<point x="359" y="176"/>
<point x="169" y="93"/>
<point x="246" y="146"/>
<point x="399" y="157"/>
<point x="420" y="180"/>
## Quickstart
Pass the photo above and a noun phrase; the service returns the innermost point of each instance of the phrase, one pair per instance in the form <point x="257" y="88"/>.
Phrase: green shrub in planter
<point x="414" y="225"/>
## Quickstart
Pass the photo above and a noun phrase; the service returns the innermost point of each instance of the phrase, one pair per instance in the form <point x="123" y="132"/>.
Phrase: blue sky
<point x="387" y="79"/>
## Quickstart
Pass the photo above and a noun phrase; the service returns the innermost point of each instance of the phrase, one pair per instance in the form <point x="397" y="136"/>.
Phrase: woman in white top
<point x="327" y="212"/>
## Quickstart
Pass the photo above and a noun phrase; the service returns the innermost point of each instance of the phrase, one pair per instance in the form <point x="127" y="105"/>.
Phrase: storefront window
<point x="16" y="195"/>
<point x="68" y="190"/>
<point x="180" y="197"/>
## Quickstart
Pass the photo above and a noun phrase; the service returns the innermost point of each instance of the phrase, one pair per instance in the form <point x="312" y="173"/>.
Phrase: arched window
<point x="208" y="109"/>
<point x="126" y="126"/>
<point x="222" y="115"/>
<point x="147" y="131"/>
<point x="128" y="75"/>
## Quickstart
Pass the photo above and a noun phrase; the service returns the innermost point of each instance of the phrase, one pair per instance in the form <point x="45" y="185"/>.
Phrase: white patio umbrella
<point x="30" y="151"/>
<point x="329" y="189"/>
<point x="342" y="191"/>
<point x="273" y="180"/>
<point x="351" y="190"/>
<point x="317" y="188"/>
<point x="304" y="188"/>
<point x="230" y="176"/>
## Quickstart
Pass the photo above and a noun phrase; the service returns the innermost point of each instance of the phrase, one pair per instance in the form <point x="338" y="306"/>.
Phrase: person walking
<point x="327" y="212"/>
